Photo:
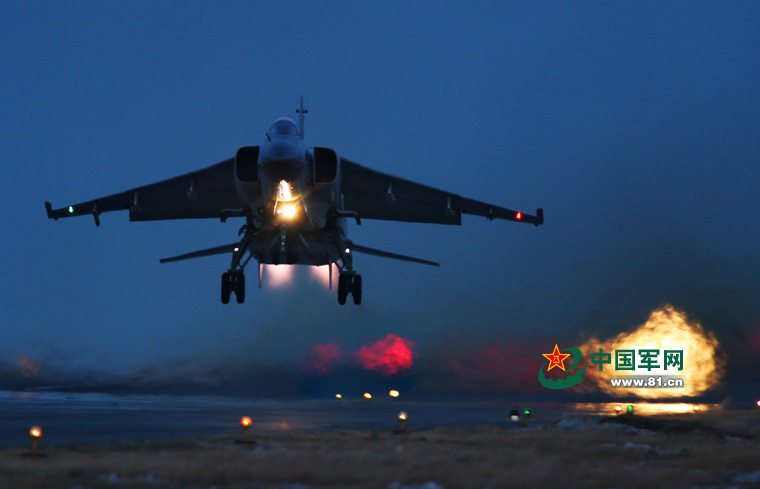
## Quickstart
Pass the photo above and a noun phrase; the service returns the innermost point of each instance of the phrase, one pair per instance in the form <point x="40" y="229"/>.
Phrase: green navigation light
<point x="630" y="408"/>
<point x="71" y="209"/>
<point x="527" y="413"/>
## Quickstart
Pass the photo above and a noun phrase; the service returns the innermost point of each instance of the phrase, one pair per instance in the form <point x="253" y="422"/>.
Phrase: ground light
<point x="618" y="409"/>
<point x="367" y="395"/>
<point x="35" y="433"/>
<point x="526" y="417"/>
<point x="393" y="393"/>
<point x="338" y="396"/>
<point x="514" y="415"/>
<point x="696" y="408"/>
<point x="630" y="409"/>
<point x="758" y="403"/>
<point x="246" y="423"/>
<point x="402" y="419"/>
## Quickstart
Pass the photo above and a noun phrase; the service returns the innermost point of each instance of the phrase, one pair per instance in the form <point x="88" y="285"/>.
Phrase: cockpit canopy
<point x="284" y="127"/>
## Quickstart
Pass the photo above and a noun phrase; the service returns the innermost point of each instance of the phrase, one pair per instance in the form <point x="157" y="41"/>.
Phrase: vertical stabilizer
<point x="301" y="113"/>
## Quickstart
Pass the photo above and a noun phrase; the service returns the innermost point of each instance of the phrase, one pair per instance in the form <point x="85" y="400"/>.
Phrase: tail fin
<point x="301" y="113"/>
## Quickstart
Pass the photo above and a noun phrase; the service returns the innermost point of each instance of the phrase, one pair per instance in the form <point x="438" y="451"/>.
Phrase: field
<point x="710" y="449"/>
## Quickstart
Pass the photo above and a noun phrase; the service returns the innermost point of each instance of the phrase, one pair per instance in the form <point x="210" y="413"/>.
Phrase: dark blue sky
<point x="635" y="125"/>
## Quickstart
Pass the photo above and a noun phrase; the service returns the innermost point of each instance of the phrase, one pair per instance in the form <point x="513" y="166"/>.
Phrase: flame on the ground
<point x="666" y="329"/>
<point x="641" y="408"/>
<point x="322" y="275"/>
<point x="278" y="276"/>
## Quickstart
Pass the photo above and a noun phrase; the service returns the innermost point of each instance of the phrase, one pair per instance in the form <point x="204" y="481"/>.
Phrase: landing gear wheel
<point x="357" y="290"/>
<point x="342" y="289"/>
<point x="240" y="288"/>
<point x="226" y="288"/>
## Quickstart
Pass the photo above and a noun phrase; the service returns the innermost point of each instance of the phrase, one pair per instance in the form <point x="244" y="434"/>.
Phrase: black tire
<point x="357" y="290"/>
<point x="240" y="288"/>
<point x="342" y="289"/>
<point x="226" y="289"/>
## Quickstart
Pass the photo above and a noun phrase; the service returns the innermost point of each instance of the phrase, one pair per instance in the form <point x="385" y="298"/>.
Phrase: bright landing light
<point x="283" y="191"/>
<point x="289" y="210"/>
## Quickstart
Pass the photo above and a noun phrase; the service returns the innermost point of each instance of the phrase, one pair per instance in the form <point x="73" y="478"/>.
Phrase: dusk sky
<point x="635" y="125"/>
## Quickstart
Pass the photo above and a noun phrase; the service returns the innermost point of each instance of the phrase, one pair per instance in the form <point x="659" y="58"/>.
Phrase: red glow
<point x="389" y="356"/>
<point x="518" y="216"/>
<point x="498" y="368"/>
<point x="755" y="338"/>
<point x="322" y="356"/>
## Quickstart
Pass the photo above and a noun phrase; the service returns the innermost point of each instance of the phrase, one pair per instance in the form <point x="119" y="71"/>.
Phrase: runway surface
<point x="93" y="417"/>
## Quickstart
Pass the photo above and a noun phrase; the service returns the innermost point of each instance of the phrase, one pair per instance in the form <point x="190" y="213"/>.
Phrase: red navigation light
<point x="518" y="216"/>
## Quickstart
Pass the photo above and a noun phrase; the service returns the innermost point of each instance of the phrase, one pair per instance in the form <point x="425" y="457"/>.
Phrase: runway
<point x="94" y="417"/>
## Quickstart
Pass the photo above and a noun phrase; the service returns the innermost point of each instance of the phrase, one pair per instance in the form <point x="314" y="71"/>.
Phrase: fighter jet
<point x="295" y="201"/>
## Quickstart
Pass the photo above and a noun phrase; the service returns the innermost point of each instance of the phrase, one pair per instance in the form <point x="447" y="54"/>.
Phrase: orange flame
<point x="666" y="329"/>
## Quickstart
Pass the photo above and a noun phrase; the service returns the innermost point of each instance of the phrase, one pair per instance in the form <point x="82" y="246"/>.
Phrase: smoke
<point x="322" y="358"/>
<point x="389" y="356"/>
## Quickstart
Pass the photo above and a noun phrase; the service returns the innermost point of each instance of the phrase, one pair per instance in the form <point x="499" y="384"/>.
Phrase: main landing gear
<point x="233" y="282"/>
<point x="349" y="284"/>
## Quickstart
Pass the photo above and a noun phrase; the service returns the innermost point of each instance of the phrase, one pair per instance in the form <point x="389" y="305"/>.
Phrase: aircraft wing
<point x="376" y="195"/>
<point x="207" y="193"/>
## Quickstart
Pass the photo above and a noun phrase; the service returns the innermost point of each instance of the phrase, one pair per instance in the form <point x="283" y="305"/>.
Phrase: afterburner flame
<point x="279" y="276"/>
<point x="666" y="329"/>
<point x="322" y="275"/>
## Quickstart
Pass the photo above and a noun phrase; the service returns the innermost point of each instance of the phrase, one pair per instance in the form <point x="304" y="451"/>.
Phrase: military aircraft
<point x="295" y="201"/>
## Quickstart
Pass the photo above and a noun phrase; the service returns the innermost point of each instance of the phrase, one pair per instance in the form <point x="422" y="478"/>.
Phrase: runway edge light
<point x="35" y="433"/>
<point x="402" y="418"/>
<point x="246" y="423"/>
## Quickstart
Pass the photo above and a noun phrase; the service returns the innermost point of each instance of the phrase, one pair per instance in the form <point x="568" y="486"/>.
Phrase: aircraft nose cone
<point x="282" y="160"/>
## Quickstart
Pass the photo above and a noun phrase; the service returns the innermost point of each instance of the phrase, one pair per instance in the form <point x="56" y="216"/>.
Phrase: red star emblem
<point x="556" y="358"/>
